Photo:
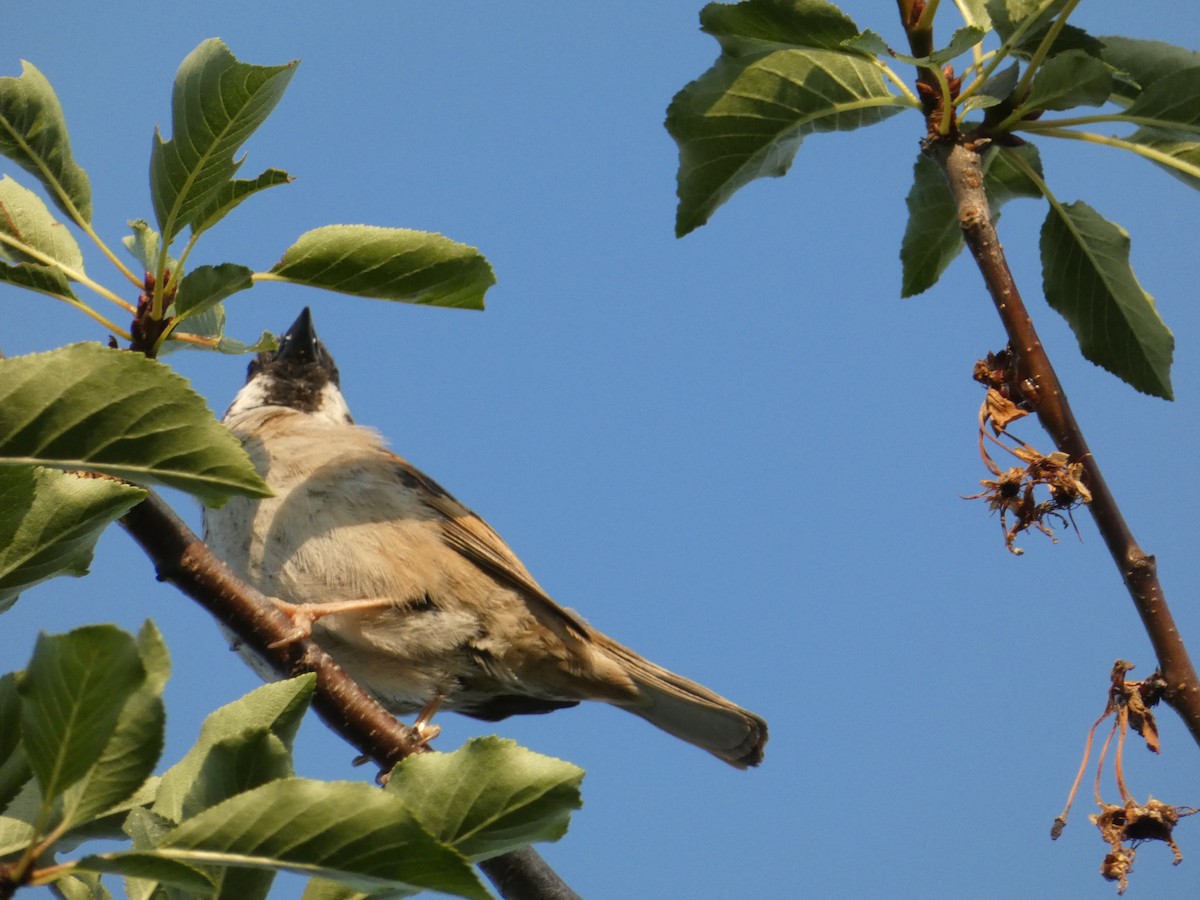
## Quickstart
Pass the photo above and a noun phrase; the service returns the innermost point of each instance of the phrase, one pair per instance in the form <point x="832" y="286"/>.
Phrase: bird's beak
<point x="299" y="343"/>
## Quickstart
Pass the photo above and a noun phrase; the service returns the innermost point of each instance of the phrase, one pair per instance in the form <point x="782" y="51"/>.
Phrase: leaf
<point x="72" y="694"/>
<point x="746" y="117"/>
<point x="206" y="286"/>
<point x="1008" y="15"/>
<point x="24" y="217"/>
<point x="210" y="324"/>
<point x="1184" y="156"/>
<point x="33" y="134"/>
<point x="1171" y="103"/>
<point x="275" y="709"/>
<point x="127" y="758"/>
<point x="388" y="264"/>
<point x="10" y="706"/>
<point x="50" y="522"/>
<point x="960" y="42"/>
<point x="758" y="25"/>
<point x="1143" y="62"/>
<point x="90" y="407"/>
<point x="1088" y="280"/>
<point x="82" y="886"/>
<point x="231" y="195"/>
<point x="153" y="866"/>
<point x="997" y="89"/>
<point x="974" y="12"/>
<point x="144" y="245"/>
<point x="218" y="102"/>
<point x="933" y="238"/>
<point x="350" y="832"/>
<point x="489" y="796"/>
<point x="43" y="279"/>
<point x="1067" y="80"/>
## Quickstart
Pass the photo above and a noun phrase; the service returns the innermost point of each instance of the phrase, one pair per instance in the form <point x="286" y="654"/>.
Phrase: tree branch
<point x="958" y="156"/>
<point x="960" y="160"/>
<point x="181" y="558"/>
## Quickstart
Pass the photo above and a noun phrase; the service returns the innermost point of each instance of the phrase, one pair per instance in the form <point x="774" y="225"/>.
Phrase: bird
<point x="416" y="597"/>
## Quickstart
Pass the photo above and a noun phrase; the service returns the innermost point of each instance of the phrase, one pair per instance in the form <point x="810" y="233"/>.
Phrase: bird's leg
<point x="303" y="615"/>
<point x="421" y="726"/>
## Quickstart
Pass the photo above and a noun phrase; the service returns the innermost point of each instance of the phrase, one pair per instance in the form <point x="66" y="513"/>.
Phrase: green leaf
<point x="1088" y="280"/>
<point x="1143" y="62"/>
<point x="756" y="26"/>
<point x="276" y="709"/>
<point x="211" y="324"/>
<point x="975" y="13"/>
<point x="90" y="407"/>
<point x="127" y="759"/>
<point x="50" y="522"/>
<point x="33" y="134"/>
<point x="933" y="238"/>
<point x="1171" y="104"/>
<point x="151" y="866"/>
<point x="960" y="42"/>
<point x="82" y="886"/>
<point x="24" y="217"/>
<point x="1182" y="157"/>
<point x="233" y="193"/>
<point x="43" y="279"/>
<point x="144" y="245"/>
<point x="206" y="286"/>
<point x="489" y="796"/>
<point x="996" y="90"/>
<point x="15" y="835"/>
<point x="1067" y="80"/>
<point x="1009" y="15"/>
<point x="746" y="117"/>
<point x="218" y="102"/>
<point x="388" y="264"/>
<point x="349" y="832"/>
<point x="72" y="694"/>
<point x="10" y="707"/>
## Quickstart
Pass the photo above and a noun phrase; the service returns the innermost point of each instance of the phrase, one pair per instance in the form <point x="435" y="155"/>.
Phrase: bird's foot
<point x="303" y="615"/>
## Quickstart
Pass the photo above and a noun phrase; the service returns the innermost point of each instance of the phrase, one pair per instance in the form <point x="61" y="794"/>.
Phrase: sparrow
<point x="410" y="592"/>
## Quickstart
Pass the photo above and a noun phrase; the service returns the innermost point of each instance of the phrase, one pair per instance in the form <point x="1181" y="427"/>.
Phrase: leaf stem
<point x="70" y="272"/>
<point x="1150" y="153"/>
<point x="1043" y="48"/>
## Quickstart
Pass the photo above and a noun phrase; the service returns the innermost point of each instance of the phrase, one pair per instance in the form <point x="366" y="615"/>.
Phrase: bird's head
<point x="299" y="375"/>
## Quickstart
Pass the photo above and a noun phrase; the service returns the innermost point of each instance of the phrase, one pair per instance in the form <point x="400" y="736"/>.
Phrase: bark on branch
<point x="180" y="557"/>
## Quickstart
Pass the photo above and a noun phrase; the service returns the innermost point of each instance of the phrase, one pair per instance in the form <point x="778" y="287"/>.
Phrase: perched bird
<point x="414" y="595"/>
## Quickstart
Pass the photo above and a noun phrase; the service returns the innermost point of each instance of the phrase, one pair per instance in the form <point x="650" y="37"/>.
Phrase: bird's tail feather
<point x="690" y="711"/>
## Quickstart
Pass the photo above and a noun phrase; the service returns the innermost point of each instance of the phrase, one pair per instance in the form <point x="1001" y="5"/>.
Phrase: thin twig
<point x="181" y="558"/>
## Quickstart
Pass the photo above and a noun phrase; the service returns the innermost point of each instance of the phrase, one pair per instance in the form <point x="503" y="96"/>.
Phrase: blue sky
<point x="740" y="453"/>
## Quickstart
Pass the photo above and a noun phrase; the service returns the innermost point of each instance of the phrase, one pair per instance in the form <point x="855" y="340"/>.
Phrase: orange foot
<point x="303" y="615"/>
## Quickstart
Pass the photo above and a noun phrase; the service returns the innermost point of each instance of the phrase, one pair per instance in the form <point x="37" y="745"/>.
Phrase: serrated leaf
<point x="746" y="117"/>
<point x="489" y="796"/>
<point x="960" y="42"/>
<point x="25" y="218"/>
<point x="231" y="195"/>
<point x="124" y="762"/>
<point x="82" y="886"/>
<point x="89" y="407"/>
<point x="15" y="835"/>
<point x="1142" y="63"/>
<point x="206" y="286"/>
<point x="144" y="246"/>
<point x="1182" y="156"/>
<point x="388" y="264"/>
<point x="1170" y="104"/>
<point x="1068" y="80"/>
<point x="1009" y="15"/>
<point x="933" y="237"/>
<point x="217" y="103"/>
<point x="275" y="709"/>
<point x="349" y="832"/>
<point x="50" y="522"/>
<point x="151" y="866"/>
<point x="974" y="12"/>
<point x="43" y="279"/>
<point x="33" y="134"/>
<point x="757" y="25"/>
<point x="994" y="91"/>
<point x="1088" y="280"/>
<point x="72" y="694"/>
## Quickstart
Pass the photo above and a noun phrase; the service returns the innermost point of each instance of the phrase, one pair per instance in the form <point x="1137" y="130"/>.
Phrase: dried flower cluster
<point x="1128" y="823"/>
<point x="1013" y="491"/>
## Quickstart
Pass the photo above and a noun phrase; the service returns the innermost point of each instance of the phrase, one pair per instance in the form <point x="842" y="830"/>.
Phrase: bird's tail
<point x="689" y="711"/>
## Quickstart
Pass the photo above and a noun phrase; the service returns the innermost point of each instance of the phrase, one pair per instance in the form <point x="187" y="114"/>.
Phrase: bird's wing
<point x="468" y="534"/>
